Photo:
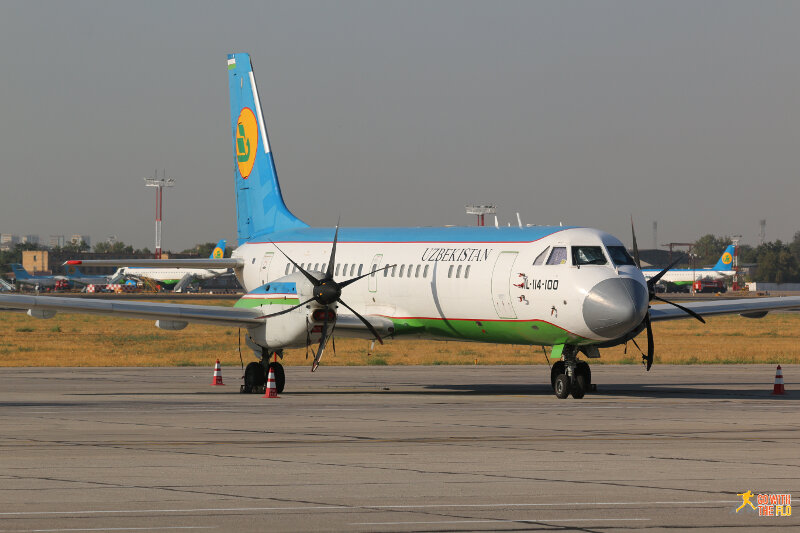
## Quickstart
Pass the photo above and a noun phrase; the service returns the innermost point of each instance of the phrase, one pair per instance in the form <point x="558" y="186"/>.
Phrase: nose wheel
<point x="570" y="376"/>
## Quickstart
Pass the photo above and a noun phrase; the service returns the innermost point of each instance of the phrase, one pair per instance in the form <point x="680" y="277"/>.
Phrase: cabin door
<point x="501" y="285"/>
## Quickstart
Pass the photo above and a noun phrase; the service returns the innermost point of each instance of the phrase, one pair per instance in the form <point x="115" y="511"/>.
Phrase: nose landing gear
<point x="571" y="376"/>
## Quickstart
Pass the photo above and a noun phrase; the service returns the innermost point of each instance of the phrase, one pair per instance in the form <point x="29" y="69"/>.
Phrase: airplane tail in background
<point x="726" y="260"/>
<point x="219" y="250"/>
<point x="260" y="209"/>
<point x="19" y="272"/>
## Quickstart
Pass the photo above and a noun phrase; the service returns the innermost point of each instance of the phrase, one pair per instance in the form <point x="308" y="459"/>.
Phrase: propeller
<point x="327" y="291"/>
<point x="651" y="291"/>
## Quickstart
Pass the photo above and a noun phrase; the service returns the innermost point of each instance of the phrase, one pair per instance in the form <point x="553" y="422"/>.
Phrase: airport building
<point x="8" y="240"/>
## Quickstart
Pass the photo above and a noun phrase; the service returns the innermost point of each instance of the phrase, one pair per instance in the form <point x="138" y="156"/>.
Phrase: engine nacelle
<point x="294" y="329"/>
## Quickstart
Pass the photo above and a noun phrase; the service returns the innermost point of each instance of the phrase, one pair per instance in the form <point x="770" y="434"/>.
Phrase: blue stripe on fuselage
<point x="398" y="235"/>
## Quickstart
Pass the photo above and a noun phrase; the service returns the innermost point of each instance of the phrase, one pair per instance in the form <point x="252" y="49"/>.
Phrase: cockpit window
<point x="540" y="258"/>
<point x="588" y="255"/>
<point x="558" y="256"/>
<point x="620" y="255"/>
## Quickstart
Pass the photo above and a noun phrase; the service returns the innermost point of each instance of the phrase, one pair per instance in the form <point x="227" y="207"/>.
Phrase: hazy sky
<point x="399" y="113"/>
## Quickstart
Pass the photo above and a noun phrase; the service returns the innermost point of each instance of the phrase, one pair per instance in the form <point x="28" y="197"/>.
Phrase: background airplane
<point x="686" y="276"/>
<point x="23" y="277"/>
<point x="176" y="277"/>
<point x="574" y="289"/>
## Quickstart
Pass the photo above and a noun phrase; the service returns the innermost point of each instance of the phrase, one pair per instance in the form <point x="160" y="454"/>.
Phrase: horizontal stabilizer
<point x="208" y="262"/>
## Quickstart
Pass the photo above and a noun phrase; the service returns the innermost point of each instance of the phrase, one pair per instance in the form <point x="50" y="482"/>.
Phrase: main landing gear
<point x="571" y="376"/>
<point x="255" y="376"/>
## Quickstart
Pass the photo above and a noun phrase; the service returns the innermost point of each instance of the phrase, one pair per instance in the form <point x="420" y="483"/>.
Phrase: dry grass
<point x="87" y="340"/>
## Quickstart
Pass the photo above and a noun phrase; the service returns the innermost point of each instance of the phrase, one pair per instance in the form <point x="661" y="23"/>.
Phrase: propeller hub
<point x="327" y="292"/>
<point x="615" y="306"/>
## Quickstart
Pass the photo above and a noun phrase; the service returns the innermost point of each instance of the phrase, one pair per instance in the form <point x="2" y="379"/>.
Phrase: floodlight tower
<point x="480" y="210"/>
<point x="159" y="183"/>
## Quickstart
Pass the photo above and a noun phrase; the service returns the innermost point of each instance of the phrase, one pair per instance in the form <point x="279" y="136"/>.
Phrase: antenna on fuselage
<point x="496" y="223"/>
<point x="519" y="220"/>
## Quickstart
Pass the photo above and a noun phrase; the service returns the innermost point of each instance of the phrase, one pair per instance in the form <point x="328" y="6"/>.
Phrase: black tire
<point x="280" y="376"/>
<point x="562" y="386"/>
<point x="578" y="387"/>
<point x="557" y="368"/>
<point x="582" y="369"/>
<point x="254" y="377"/>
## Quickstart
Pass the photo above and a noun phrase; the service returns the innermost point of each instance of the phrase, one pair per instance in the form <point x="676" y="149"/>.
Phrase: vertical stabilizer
<point x="219" y="250"/>
<point x="726" y="260"/>
<point x="259" y="204"/>
<point x="19" y="272"/>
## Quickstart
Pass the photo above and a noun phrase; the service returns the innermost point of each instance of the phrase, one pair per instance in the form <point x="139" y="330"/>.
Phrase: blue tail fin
<point x="73" y="270"/>
<point x="259" y="204"/>
<point x="219" y="250"/>
<point x="19" y="272"/>
<point x="726" y="260"/>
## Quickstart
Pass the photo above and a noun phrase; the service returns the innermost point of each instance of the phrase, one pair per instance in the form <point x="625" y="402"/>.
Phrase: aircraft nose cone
<point x="615" y="306"/>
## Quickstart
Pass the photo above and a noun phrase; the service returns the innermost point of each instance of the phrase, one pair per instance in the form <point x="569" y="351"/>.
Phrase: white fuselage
<point x="686" y="276"/>
<point x="171" y="275"/>
<point x="455" y="284"/>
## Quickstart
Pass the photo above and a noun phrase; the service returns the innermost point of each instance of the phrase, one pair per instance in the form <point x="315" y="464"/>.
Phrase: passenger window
<point x="323" y="267"/>
<point x="540" y="258"/>
<point x="410" y="268"/>
<point x="402" y="269"/>
<point x="385" y="272"/>
<point x="344" y="269"/>
<point x="337" y="269"/>
<point x="394" y="270"/>
<point x="458" y="271"/>
<point x="353" y="270"/>
<point x="288" y="265"/>
<point x="416" y="272"/>
<point x="425" y="272"/>
<point x="450" y="272"/>
<point x="588" y="255"/>
<point x="466" y="271"/>
<point x="372" y="272"/>
<point x="360" y="269"/>
<point x="316" y="266"/>
<point x="558" y="256"/>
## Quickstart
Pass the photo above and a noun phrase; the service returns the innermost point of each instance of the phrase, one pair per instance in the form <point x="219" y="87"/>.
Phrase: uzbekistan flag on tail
<point x="231" y="62"/>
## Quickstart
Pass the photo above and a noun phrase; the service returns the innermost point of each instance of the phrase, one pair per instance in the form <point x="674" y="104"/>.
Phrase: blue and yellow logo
<point x="727" y="258"/>
<point x="217" y="253"/>
<point x="246" y="142"/>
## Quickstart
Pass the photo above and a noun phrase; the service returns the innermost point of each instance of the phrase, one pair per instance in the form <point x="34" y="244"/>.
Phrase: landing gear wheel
<point x="557" y="368"/>
<point x="280" y="377"/>
<point x="562" y="386"/>
<point x="579" y="387"/>
<point x="254" y="378"/>
<point x="582" y="369"/>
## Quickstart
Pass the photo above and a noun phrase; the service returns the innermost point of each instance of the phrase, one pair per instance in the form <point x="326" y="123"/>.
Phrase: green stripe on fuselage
<point x="497" y="331"/>
<point x="248" y="303"/>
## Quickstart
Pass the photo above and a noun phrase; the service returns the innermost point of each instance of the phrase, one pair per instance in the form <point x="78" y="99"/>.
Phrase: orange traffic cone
<point x="778" y="388"/>
<point x="217" y="379"/>
<point x="272" y="390"/>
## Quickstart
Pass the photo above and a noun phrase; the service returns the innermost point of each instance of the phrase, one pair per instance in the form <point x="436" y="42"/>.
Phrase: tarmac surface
<point x="395" y="449"/>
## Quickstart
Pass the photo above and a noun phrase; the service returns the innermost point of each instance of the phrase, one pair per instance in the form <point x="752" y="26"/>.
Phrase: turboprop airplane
<point x="172" y="276"/>
<point x="686" y="276"/>
<point x="574" y="289"/>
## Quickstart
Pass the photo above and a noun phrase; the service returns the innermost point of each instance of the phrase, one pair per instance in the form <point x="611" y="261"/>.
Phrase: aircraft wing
<point x="47" y="306"/>
<point x="749" y="307"/>
<point x="208" y="262"/>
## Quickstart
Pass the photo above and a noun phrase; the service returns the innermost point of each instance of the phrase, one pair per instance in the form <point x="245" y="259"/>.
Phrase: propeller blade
<point x="364" y="320"/>
<point x="314" y="281"/>
<point x="287" y="310"/>
<point x="344" y="284"/>
<point x="329" y="272"/>
<point x="682" y="308"/>
<point x="323" y="341"/>
<point x="635" y="246"/>
<point x="652" y="281"/>
<point x="650" y="344"/>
